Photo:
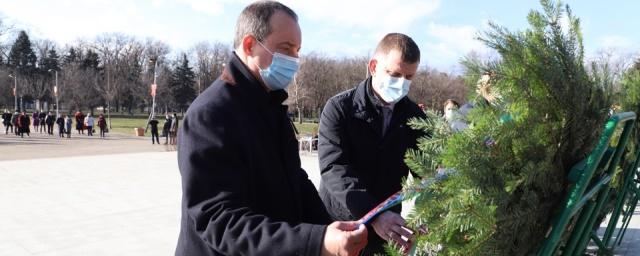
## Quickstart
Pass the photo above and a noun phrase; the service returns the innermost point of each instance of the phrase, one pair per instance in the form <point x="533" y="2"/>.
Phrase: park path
<point x="42" y="145"/>
<point x="119" y="196"/>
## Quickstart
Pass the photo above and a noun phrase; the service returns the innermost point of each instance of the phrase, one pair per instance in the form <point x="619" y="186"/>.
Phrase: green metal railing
<point x="590" y="190"/>
<point x="629" y="194"/>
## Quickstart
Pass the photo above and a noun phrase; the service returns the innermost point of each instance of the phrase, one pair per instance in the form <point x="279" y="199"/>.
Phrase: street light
<point x="199" y="90"/>
<point x="15" y="91"/>
<point x="219" y="61"/>
<point x="55" y="92"/>
<point x="154" y="86"/>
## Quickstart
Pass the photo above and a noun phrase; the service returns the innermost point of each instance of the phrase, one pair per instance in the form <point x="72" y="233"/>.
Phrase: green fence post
<point x="577" y="199"/>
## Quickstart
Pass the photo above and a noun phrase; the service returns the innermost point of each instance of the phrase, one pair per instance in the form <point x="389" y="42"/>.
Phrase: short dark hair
<point x="451" y="101"/>
<point x="254" y="20"/>
<point x="401" y="42"/>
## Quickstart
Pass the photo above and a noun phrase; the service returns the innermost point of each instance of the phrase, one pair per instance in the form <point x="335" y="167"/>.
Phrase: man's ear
<point x="372" y="66"/>
<point x="248" y="41"/>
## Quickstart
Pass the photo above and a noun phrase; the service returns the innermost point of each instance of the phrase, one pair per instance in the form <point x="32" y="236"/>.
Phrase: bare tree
<point x="297" y="95"/>
<point x="42" y="85"/>
<point x="78" y="87"/>
<point x="4" y="47"/>
<point x="110" y="48"/>
<point x="209" y="60"/>
<point x="611" y="63"/>
<point x="155" y="66"/>
<point x="117" y="69"/>
<point x="133" y="91"/>
<point x="432" y="87"/>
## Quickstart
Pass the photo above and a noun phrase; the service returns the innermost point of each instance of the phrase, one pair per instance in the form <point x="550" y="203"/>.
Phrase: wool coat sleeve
<point x="339" y="176"/>
<point x="217" y="198"/>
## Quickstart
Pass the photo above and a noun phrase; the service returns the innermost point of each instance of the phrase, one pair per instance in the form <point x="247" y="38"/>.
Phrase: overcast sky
<point x="444" y="30"/>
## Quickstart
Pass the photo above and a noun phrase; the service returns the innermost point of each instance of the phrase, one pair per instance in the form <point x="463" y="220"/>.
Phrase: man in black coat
<point x="15" y="123"/>
<point x="42" y="117"/>
<point x="363" y="139"/>
<point x="165" y="128"/>
<point x="243" y="189"/>
<point x="154" y="130"/>
<point x="49" y="120"/>
<point x="60" y="122"/>
<point x="6" y="121"/>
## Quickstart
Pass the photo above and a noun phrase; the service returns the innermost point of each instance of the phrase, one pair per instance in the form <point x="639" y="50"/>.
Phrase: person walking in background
<point x="154" y="130"/>
<point x="452" y="114"/>
<point x="36" y="121"/>
<point x="43" y="121"/>
<point x="166" y="128"/>
<point x="79" y="122"/>
<point x="173" y="131"/>
<point x="6" y="120"/>
<point x="24" y="121"/>
<point x="67" y="124"/>
<point x="14" y="122"/>
<point x="49" y="120"/>
<point x="102" y="125"/>
<point x="60" y="122"/>
<point x="88" y="122"/>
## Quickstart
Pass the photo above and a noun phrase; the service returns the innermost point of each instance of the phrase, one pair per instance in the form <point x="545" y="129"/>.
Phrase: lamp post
<point x="109" y="97"/>
<point x="154" y="86"/>
<point x="15" y="91"/>
<point x="55" y="92"/>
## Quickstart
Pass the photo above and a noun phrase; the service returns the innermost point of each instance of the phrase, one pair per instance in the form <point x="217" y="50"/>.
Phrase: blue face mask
<point x="392" y="89"/>
<point x="279" y="74"/>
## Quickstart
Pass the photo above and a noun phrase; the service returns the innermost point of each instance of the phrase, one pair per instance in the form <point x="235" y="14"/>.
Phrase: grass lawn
<point x="125" y="125"/>
<point x="307" y="128"/>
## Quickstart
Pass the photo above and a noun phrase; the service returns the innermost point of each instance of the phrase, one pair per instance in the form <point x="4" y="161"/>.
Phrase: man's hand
<point x="390" y="226"/>
<point x="344" y="238"/>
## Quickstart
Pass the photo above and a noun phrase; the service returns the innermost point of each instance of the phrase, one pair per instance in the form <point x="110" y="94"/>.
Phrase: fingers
<point x="389" y="224"/>
<point x="397" y="231"/>
<point x="356" y="240"/>
<point x="360" y="230"/>
<point x="398" y="239"/>
<point x="403" y="232"/>
<point x="344" y="238"/>
<point x="359" y="237"/>
<point x="397" y="220"/>
<point x="348" y="225"/>
<point x="407" y="249"/>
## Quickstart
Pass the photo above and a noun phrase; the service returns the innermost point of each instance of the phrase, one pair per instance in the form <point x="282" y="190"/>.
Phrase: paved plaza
<point x="41" y="145"/>
<point x="117" y="196"/>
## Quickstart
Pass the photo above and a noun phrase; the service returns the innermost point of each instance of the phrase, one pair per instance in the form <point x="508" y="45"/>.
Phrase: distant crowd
<point x="169" y="129"/>
<point x="22" y="123"/>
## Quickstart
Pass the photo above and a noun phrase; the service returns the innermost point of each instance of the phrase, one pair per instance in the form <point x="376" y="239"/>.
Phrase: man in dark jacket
<point x="61" y="130"/>
<point x="49" y="120"/>
<point x="15" y="123"/>
<point x="363" y="138"/>
<point x="165" y="129"/>
<point x="6" y="120"/>
<point x="243" y="190"/>
<point x="154" y="130"/>
<point x="42" y="116"/>
<point x="24" y="122"/>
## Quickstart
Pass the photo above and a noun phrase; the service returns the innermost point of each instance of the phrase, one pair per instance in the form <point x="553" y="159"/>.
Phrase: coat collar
<point x="364" y="102"/>
<point x="365" y="109"/>
<point x="239" y="75"/>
